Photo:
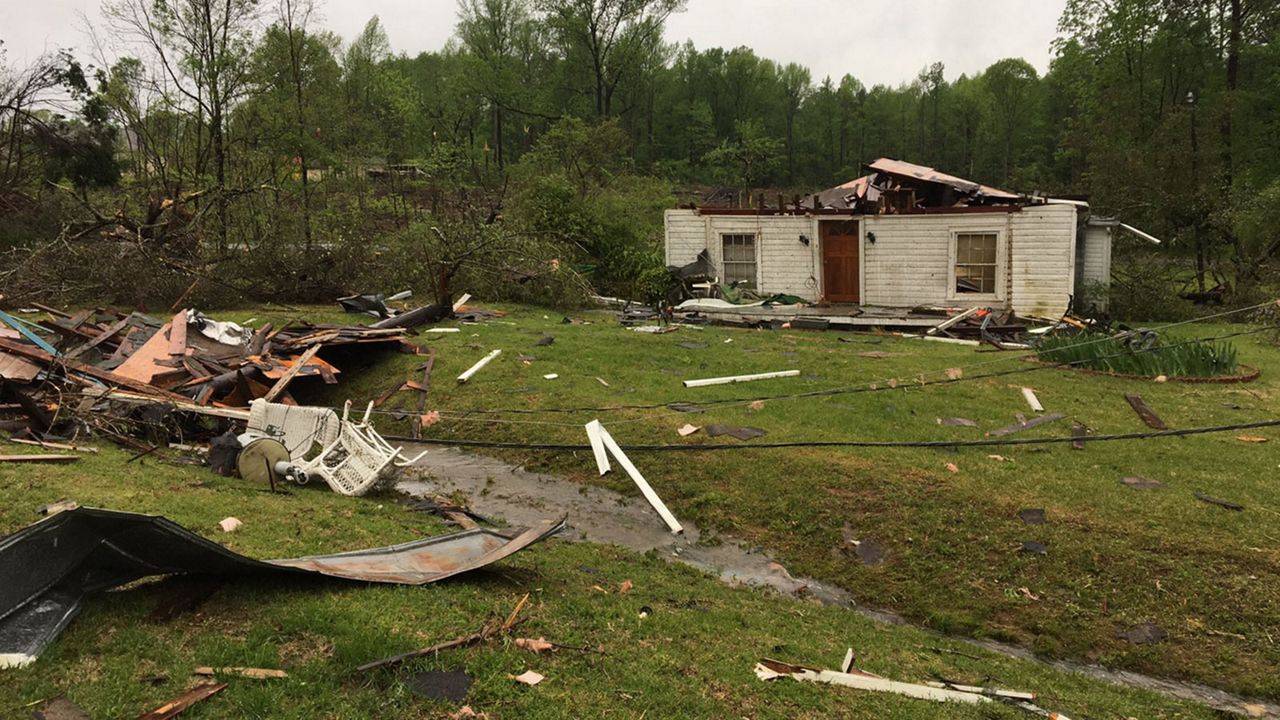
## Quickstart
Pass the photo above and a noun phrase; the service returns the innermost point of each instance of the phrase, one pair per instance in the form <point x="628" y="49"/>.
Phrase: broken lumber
<point x="292" y="372"/>
<point x="38" y="458"/>
<point x="1025" y="425"/>
<point x="102" y="337"/>
<point x="184" y="701"/>
<point x="1145" y="412"/>
<point x="246" y="672"/>
<point x="953" y="320"/>
<point x="80" y="368"/>
<point x="487" y="632"/>
<point x="639" y="480"/>
<point x="476" y="368"/>
<point x="768" y="669"/>
<point x="740" y="378"/>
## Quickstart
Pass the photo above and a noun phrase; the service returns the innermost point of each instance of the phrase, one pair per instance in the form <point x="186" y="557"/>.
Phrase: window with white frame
<point x="977" y="262"/>
<point x="739" y="259"/>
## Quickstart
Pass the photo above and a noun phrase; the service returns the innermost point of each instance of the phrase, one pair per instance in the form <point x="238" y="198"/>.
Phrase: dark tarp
<point x="48" y="568"/>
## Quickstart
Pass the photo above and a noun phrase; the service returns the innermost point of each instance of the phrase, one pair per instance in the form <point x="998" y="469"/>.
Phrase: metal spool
<point x="257" y="461"/>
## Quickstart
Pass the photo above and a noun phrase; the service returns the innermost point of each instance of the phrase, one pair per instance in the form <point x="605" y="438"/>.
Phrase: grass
<point x="1121" y="355"/>
<point x="691" y="657"/>
<point x="1116" y="556"/>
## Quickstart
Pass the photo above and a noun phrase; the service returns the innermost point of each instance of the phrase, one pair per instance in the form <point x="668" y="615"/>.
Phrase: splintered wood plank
<point x="183" y="701"/>
<point x="1145" y="412"/>
<point x="178" y="334"/>
<point x="1026" y="424"/>
<point x="38" y="458"/>
<point x="102" y="337"/>
<point x="285" y="379"/>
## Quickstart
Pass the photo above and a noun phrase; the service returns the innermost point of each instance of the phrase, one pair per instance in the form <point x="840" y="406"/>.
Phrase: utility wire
<point x="851" y="443"/>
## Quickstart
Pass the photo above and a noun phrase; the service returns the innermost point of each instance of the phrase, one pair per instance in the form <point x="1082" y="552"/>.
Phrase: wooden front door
<point x="840" y="242"/>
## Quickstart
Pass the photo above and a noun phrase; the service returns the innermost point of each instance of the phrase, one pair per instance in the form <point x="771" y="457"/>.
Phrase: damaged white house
<point x="905" y="236"/>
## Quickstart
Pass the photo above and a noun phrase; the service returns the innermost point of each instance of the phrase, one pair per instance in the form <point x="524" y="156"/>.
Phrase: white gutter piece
<point x="640" y="482"/>
<point x="1032" y="400"/>
<point x="1140" y="234"/>
<point x="740" y="378"/>
<point x="594" y="432"/>
<point x="476" y="368"/>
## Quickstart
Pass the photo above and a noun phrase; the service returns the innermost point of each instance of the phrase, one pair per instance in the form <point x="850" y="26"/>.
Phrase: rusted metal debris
<point x="53" y="564"/>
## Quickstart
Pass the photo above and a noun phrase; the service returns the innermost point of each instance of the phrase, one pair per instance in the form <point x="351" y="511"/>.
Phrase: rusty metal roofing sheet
<point x="928" y="174"/>
<point x="48" y="568"/>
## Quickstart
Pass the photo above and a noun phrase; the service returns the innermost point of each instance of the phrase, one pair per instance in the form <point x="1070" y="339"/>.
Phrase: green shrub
<point x="1137" y="354"/>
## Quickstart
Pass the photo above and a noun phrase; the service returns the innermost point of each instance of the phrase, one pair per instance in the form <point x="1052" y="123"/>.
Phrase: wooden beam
<point x="1145" y="412"/>
<point x="178" y="334"/>
<point x="75" y="366"/>
<point x="37" y="458"/>
<point x="285" y="379"/>
<point x="101" y="337"/>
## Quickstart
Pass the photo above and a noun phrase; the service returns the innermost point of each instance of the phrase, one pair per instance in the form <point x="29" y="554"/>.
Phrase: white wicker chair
<point x="352" y="456"/>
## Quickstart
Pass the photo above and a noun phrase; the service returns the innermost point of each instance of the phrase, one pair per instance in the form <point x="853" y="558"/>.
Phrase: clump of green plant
<point x="1139" y="354"/>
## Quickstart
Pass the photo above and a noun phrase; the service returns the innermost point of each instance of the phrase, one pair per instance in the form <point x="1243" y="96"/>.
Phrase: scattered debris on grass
<point x="1137" y="482"/>
<point x="1034" y="547"/>
<point x="870" y="552"/>
<point x="61" y="709"/>
<point x="180" y="704"/>
<point x="1226" y="504"/>
<point x="245" y="672"/>
<point x="230" y="524"/>
<point x="1032" y="516"/>
<point x="1145" y="412"/>
<point x="601" y="441"/>
<point x="1024" y="424"/>
<point x="451" y="685"/>
<point x="687" y="429"/>
<point x="957" y="422"/>
<point x="491" y="629"/>
<point x="733" y="431"/>
<point x="741" y="378"/>
<point x="466" y="375"/>
<point x="1145" y="633"/>
<point x="529" y="677"/>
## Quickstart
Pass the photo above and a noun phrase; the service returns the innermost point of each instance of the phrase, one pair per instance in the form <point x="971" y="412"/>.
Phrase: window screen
<point x="976" y="263"/>
<point x="739" y="259"/>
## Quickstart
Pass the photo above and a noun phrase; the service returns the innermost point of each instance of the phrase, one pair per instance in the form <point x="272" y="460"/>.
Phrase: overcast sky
<point x="878" y="41"/>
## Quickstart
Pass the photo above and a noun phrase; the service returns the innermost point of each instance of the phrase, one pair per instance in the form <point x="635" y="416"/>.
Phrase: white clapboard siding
<point x="910" y="262"/>
<point x="783" y="263"/>
<point x="1043" y="259"/>
<point x="686" y="235"/>
<point x="1096" y="272"/>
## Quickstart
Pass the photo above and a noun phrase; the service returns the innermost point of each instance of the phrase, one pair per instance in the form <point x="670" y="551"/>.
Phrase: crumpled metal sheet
<point x="48" y="568"/>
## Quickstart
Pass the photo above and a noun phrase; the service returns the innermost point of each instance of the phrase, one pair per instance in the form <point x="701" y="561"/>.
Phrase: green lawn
<point x="1116" y="556"/>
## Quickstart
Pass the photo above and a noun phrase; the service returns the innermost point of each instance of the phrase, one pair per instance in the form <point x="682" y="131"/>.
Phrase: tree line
<point x="244" y="113"/>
